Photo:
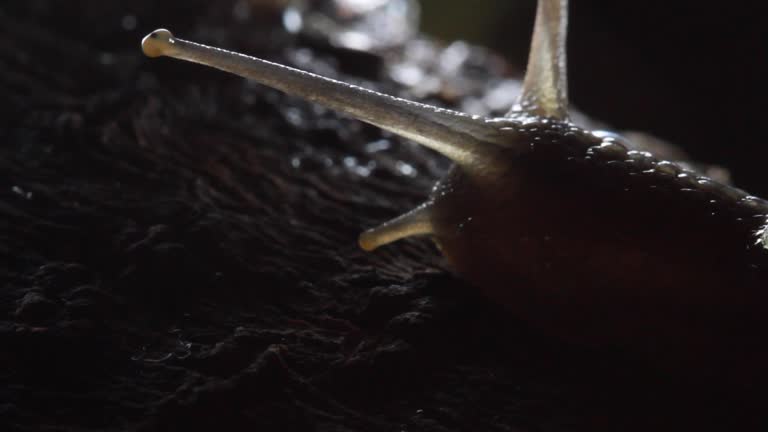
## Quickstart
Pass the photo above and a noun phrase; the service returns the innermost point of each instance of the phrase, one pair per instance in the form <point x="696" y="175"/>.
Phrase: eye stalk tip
<point x="157" y="43"/>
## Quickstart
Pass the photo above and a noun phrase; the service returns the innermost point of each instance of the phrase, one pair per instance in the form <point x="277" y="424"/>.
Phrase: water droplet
<point x="377" y="146"/>
<point x="292" y="20"/>
<point x="405" y="169"/>
<point x="21" y="192"/>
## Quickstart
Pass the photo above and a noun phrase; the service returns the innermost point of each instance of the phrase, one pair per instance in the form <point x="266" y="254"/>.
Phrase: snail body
<point x="609" y="247"/>
<point x="568" y="228"/>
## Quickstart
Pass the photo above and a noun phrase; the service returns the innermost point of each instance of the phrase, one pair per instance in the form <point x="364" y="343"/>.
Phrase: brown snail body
<point x="568" y="228"/>
<point x="609" y="247"/>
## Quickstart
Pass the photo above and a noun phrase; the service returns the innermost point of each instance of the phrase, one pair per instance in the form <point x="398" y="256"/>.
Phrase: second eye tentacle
<point x="545" y="87"/>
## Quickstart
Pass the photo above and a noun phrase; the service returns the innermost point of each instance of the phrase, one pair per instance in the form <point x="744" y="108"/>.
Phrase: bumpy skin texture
<point x="604" y="246"/>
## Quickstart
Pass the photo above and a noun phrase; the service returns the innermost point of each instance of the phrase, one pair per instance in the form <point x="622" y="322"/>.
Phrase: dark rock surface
<point x="179" y="253"/>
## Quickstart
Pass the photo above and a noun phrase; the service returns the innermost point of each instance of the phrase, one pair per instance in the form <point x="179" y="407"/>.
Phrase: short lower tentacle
<point x="416" y="222"/>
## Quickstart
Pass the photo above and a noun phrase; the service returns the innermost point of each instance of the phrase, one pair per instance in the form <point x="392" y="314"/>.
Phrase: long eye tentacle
<point x="460" y="137"/>
<point x="545" y="88"/>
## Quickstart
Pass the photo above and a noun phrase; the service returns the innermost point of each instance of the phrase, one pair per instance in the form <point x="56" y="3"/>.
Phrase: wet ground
<point x="179" y="252"/>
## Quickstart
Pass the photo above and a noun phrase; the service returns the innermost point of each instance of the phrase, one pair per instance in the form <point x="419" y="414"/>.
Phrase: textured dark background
<point x="177" y="246"/>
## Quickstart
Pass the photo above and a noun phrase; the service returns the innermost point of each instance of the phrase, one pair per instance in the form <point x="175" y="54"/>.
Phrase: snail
<point x="576" y="231"/>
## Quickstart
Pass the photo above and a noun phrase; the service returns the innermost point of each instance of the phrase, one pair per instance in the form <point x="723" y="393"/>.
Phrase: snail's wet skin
<point x="604" y="246"/>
